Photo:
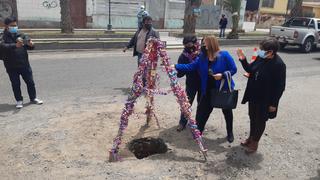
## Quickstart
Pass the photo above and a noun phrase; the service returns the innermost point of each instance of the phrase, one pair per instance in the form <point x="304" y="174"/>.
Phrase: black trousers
<point x="258" y="114"/>
<point x="191" y="93"/>
<point x="204" y="110"/>
<point x="26" y="74"/>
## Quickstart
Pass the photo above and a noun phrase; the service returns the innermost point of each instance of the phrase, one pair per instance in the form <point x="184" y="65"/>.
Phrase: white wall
<point x="123" y="13"/>
<point x="39" y="10"/>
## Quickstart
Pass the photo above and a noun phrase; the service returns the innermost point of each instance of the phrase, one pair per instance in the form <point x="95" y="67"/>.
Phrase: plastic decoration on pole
<point x="145" y="82"/>
<point x="253" y="58"/>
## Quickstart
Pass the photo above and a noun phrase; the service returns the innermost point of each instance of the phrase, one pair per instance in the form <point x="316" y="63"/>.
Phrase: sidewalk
<point x="51" y="39"/>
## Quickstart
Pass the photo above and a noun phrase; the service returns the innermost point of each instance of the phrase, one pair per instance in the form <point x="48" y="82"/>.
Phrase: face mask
<point x="13" y="29"/>
<point x="148" y="26"/>
<point x="204" y="50"/>
<point x="262" y="54"/>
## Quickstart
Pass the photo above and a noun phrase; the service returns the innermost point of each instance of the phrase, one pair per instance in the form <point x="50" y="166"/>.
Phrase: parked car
<point x="300" y="31"/>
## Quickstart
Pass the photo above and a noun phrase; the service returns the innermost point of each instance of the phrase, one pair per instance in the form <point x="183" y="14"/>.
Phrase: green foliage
<point x="232" y="5"/>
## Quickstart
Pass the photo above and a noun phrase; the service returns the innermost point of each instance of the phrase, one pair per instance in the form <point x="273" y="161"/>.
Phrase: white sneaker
<point x="37" y="101"/>
<point x="19" y="105"/>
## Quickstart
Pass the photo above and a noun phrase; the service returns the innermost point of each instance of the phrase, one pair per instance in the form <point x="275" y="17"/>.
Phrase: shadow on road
<point x="238" y="158"/>
<point x="7" y="108"/>
<point x="4" y="108"/>
<point x="237" y="162"/>
<point x="296" y="50"/>
<point x="125" y="91"/>
<point x="317" y="177"/>
<point x="180" y="140"/>
<point x="183" y="140"/>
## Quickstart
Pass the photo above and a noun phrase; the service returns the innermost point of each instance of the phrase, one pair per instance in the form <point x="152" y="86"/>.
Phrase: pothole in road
<point x="148" y="146"/>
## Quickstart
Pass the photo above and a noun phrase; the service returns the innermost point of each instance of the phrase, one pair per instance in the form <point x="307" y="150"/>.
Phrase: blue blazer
<point x="222" y="64"/>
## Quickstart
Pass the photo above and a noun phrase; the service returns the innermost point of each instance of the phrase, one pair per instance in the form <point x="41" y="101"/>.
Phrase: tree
<point x="189" y="26"/>
<point x="234" y="7"/>
<point x="66" y="21"/>
<point x="296" y="11"/>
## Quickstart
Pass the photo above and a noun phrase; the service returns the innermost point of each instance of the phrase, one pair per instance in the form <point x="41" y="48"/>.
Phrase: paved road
<point x="97" y="73"/>
<point x="72" y="83"/>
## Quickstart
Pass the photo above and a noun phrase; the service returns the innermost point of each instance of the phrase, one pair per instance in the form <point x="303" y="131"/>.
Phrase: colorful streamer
<point x="144" y="81"/>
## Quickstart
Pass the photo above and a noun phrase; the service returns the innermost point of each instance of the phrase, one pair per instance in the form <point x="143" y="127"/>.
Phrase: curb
<point x="77" y="45"/>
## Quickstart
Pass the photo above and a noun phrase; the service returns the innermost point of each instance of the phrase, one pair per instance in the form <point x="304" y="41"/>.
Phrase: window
<point x="268" y="3"/>
<point x="311" y="24"/>
<point x="291" y="4"/>
<point x="301" y="22"/>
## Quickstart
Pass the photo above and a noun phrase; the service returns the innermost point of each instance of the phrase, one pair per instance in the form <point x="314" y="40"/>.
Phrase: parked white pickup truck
<point x="301" y="31"/>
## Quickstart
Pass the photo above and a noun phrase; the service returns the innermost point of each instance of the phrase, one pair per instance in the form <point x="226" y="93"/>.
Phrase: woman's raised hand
<point x="240" y="54"/>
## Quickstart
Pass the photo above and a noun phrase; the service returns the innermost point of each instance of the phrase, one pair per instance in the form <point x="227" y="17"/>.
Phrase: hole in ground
<point x="147" y="146"/>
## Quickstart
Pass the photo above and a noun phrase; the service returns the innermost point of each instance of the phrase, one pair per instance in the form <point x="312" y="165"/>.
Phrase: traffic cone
<point x="253" y="58"/>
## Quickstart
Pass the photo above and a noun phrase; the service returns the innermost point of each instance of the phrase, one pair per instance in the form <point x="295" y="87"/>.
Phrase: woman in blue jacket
<point x="213" y="64"/>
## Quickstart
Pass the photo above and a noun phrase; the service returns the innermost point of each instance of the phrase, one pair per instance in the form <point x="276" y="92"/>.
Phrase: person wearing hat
<point x="16" y="61"/>
<point x="188" y="55"/>
<point x="141" y="14"/>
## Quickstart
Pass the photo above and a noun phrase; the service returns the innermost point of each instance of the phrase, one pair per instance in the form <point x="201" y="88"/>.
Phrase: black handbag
<point x="224" y="99"/>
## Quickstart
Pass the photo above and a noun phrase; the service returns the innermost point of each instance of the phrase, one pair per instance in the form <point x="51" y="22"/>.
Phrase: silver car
<point x="300" y="31"/>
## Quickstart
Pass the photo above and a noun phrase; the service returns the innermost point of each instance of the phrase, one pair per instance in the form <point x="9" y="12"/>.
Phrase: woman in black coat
<point x="264" y="89"/>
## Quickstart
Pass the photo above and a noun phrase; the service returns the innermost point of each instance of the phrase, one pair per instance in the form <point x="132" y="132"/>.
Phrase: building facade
<point x="95" y="13"/>
<point x="311" y="9"/>
<point x="43" y="13"/>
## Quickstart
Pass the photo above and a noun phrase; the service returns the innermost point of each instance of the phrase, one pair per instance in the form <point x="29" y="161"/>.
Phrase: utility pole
<point x="221" y="7"/>
<point x="258" y="15"/>
<point x="165" y="19"/>
<point x="109" y="25"/>
<point x="287" y="11"/>
<point x="242" y="12"/>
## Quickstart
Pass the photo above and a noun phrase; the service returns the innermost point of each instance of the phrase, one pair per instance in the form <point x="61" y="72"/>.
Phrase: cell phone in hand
<point x="210" y="72"/>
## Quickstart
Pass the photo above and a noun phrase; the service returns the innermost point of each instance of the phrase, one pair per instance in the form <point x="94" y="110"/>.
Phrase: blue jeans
<point x="26" y="74"/>
<point x="222" y="32"/>
<point x="191" y="93"/>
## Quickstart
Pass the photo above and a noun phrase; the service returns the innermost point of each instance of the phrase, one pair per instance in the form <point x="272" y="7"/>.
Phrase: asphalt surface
<point x="70" y="77"/>
<point x="60" y="75"/>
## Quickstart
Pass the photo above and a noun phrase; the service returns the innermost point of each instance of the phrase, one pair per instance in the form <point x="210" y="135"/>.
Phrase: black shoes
<point x="180" y="128"/>
<point x="230" y="137"/>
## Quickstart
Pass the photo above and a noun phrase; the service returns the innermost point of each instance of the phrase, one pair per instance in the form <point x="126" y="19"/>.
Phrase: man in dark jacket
<point x="223" y="25"/>
<point x="16" y="60"/>
<point x="193" y="80"/>
<point x="140" y="38"/>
